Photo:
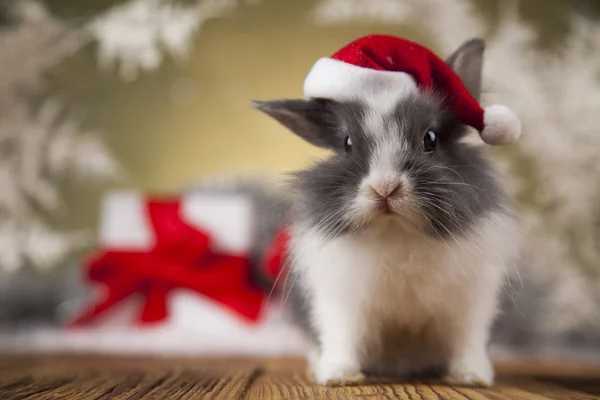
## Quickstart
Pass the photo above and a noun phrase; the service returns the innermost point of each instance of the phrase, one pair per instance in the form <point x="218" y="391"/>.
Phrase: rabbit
<point x="399" y="240"/>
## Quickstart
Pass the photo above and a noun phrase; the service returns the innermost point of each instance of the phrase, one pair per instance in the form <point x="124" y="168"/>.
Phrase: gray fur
<point x="454" y="184"/>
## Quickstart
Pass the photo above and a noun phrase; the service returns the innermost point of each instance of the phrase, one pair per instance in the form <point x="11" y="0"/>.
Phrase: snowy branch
<point x="136" y="34"/>
<point x="40" y="148"/>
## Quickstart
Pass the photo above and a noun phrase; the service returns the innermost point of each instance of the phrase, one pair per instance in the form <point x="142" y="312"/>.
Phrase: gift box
<point x="173" y="274"/>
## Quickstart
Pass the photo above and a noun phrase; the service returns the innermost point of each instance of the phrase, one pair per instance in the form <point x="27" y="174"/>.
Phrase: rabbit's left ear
<point x="467" y="62"/>
<point x="312" y="120"/>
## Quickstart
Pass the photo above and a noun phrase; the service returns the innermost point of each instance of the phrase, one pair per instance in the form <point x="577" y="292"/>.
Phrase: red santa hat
<point x="380" y="67"/>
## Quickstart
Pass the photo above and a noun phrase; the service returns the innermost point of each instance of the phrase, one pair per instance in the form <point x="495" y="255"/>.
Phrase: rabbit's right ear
<point x="312" y="120"/>
<point x="467" y="62"/>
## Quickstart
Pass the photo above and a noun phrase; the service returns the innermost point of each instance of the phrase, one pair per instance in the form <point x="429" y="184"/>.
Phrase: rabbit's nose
<point x="387" y="189"/>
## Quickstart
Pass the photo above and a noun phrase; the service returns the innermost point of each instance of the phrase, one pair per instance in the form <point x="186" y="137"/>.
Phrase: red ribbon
<point x="182" y="257"/>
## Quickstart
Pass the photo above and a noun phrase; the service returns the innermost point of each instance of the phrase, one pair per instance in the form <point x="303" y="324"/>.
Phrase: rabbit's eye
<point x="348" y="144"/>
<point x="429" y="141"/>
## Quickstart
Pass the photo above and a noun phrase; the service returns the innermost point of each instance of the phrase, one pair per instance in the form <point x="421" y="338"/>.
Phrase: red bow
<point x="181" y="258"/>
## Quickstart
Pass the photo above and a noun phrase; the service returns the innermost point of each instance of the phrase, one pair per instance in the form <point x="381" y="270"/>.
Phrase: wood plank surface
<point x="102" y="377"/>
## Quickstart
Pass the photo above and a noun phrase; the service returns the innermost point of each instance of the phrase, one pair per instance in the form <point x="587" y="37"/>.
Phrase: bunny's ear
<point x="312" y="120"/>
<point x="467" y="62"/>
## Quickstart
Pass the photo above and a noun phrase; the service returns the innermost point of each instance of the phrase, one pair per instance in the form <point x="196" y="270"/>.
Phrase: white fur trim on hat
<point x="337" y="80"/>
<point x="501" y="125"/>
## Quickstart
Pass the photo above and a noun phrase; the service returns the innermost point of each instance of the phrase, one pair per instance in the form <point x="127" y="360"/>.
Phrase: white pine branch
<point x="44" y="246"/>
<point x="39" y="148"/>
<point x="135" y="35"/>
<point x="11" y="256"/>
<point x="335" y="12"/>
<point x="90" y="159"/>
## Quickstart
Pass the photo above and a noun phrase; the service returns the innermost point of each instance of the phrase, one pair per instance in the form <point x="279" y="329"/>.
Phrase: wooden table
<point x="96" y="377"/>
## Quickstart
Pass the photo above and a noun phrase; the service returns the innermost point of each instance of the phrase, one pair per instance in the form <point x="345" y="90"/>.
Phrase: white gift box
<point x="195" y="324"/>
<point x="124" y="223"/>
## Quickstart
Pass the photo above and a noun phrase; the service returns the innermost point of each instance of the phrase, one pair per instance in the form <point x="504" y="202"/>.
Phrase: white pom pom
<point x="501" y="125"/>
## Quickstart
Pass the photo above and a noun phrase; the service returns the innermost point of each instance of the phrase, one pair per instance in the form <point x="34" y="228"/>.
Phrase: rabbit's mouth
<point x="395" y="221"/>
<point x="401" y="212"/>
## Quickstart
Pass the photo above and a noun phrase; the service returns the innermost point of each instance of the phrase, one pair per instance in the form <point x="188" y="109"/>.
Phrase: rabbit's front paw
<point x="337" y="373"/>
<point x="474" y="373"/>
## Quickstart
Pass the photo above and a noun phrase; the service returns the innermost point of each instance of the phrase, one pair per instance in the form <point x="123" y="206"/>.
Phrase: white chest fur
<point x="360" y="285"/>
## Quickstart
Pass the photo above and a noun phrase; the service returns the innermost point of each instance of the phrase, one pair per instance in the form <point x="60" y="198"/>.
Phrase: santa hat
<point x="382" y="68"/>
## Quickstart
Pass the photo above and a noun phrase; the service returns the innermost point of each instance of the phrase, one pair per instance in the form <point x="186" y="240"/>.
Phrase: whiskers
<point x="286" y="270"/>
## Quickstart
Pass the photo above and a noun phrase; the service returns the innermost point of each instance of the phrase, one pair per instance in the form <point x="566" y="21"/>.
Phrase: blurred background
<point x="153" y="96"/>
